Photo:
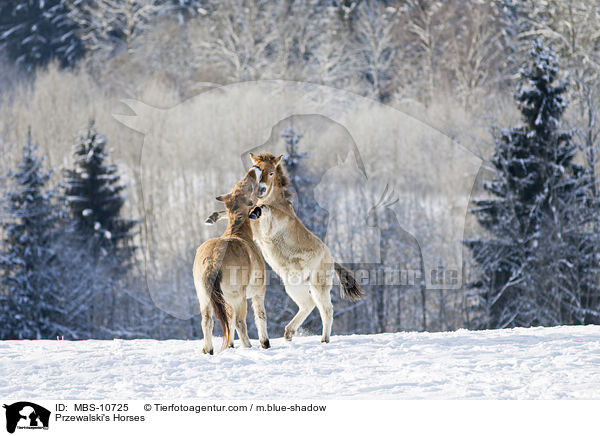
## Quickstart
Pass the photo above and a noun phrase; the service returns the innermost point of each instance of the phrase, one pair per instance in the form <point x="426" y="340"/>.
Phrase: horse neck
<point x="238" y="226"/>
<point x="278" y="199"/>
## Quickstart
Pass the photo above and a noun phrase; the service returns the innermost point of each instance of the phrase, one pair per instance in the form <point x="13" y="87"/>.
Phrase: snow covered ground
<point x="536" y="363"/>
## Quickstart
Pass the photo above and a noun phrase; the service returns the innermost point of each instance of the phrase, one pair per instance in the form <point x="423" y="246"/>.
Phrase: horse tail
<point x="349" y="288"/>
<point x="212" y="283"/>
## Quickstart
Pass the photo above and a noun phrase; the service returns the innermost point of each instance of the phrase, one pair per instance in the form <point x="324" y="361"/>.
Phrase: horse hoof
<point x="212" y="219"/>
<point x="265" y="344"/>
<point x="288" y="335"/>
<point x="256" y="213"/>
<point x="325" y="340"/>
<point x="205" y="351"/>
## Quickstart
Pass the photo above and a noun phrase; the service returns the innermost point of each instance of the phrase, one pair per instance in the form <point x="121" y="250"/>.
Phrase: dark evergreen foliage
<point x="35" y="31"/>
<point x="534" y="256"/>
<point x="94" y="195"/>
<point x="30" y="302"/>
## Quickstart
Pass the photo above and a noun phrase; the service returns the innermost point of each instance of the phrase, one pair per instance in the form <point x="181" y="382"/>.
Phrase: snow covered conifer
<point x="26" y="260"/>
<point x="94" y="195"/>
<point x="302" y="183"/>
<point x="35" y="31"/>
<point x="529" y="258"/>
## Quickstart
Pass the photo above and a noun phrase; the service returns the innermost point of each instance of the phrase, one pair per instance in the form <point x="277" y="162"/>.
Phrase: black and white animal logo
<point x="26" y="415"/>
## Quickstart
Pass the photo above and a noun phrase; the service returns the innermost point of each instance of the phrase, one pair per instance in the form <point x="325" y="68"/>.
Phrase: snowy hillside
<point x="536" y="363"/>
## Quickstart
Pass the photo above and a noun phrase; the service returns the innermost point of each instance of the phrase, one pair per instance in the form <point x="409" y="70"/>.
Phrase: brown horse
<point x="300" y="258"/>
<point x="229" y="269"/>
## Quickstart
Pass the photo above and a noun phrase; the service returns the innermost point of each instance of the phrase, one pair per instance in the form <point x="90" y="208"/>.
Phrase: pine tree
<point x="35" y="31"/>
<point x="94" y="196"/>
<point x="31" y="303"/>
<point x="535" y="211"/>
<point x="96" y="253"/>
<point x="307" y="209"/>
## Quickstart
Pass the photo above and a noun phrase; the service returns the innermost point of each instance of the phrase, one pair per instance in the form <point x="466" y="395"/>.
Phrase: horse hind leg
<point x="301" y="296"/>
<point x="260" y="319"/>
<point x="207" y="328"/>
<point x="322" y="297"/>
<point x="231" y="329"/>
<point x="240" y="323"/>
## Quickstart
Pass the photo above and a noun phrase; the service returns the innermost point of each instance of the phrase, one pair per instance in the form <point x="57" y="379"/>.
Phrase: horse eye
<point x="271" y="173"/>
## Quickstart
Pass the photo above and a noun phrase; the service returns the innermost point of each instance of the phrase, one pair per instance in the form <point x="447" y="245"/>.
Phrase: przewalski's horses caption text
<point x="300" y="258"/>
<point x="229" y="269"/>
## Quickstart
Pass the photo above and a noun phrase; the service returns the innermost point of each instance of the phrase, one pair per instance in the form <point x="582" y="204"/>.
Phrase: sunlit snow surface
<point x="536" y="363"/>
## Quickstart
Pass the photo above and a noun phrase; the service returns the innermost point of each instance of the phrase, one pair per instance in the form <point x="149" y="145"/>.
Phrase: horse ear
<point x="255" y="160"/>
<point x="256" y="171"/>
<point x="278" y="159"/>
<point x="223" y="197"/>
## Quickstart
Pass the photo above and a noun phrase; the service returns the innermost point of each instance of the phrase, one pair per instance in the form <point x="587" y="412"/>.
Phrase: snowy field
<point x="535" y="363"/>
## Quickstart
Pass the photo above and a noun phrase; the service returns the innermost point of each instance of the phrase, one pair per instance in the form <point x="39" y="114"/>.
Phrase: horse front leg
<point x="216" y="216"/>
